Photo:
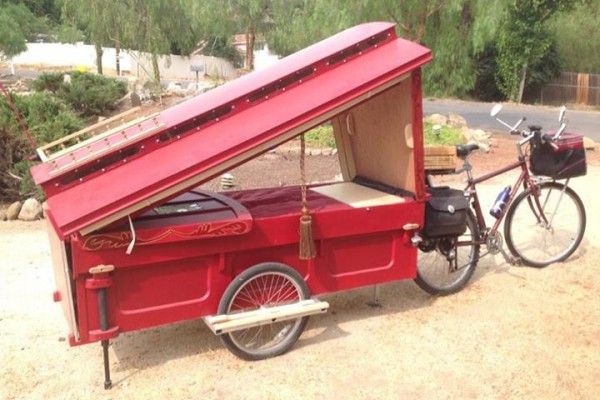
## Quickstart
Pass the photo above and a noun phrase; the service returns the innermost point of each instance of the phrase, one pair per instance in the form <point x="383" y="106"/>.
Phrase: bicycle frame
<point x="523" y="179"/>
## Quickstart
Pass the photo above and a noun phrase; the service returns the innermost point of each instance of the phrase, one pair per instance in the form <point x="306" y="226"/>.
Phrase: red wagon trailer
<point x="136" y="244"/>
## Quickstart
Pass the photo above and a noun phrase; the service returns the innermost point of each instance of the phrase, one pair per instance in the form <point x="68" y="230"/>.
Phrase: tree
<point x="253" y="17"/>
<point x="17" y="25"/>
<point x="456" y="31"/>
<point x="101" y="20"/>
<point x="578" y="37"/>
<point x="523" y="41"/>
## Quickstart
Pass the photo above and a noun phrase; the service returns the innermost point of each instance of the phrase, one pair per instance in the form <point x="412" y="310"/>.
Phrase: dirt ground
<point x="514" y="332"/>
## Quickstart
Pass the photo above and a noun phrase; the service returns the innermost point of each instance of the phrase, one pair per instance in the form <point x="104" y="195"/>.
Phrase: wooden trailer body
<point x="137" y="244"/>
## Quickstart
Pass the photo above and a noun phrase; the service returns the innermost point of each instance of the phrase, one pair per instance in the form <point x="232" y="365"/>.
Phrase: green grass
<point x="321" y="136"/>
<point x="446" y="135"/>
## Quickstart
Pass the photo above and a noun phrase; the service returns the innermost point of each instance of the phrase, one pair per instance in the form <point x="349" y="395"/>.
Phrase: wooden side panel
<point x="372" y="140"/>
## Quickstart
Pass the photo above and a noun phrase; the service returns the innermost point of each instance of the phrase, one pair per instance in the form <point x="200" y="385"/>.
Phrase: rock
<point x="456" y="120"/>
<point x="2" y="215"/>
<point x="101" y="118"/>
<point x="334" y="152"/>
<point x="31" y="210"/>
<point x="438" y="119"/>
<point x="12" y="212"/>
<point x="589" y="143"/>
<point x="478" y="137"/>
<point x="327" y="151"/>
<point x="136" y="100"/>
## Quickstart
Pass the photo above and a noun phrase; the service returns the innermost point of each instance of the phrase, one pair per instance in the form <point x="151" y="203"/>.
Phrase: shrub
<point x="88" y="94"/>
<point x="48" y="119"/>
<point x="321" y="136"/>
<point x="446" y="135"/>
<point x="48" y="81"/>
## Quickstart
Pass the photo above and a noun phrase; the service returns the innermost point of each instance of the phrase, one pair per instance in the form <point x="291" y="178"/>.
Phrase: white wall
<point x="58" y="55"/>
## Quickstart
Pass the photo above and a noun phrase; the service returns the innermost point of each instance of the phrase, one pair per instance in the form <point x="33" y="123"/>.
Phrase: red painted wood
<point x="161" y="283"/>
<point x="182" y="263"/>
<point x="75" y="204"/>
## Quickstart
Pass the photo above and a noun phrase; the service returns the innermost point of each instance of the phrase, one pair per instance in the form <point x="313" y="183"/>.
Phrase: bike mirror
<point x="496" y="109"/>
<point x="561" y="114"/>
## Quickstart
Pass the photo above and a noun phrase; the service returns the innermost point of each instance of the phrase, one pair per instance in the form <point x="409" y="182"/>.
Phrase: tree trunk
<point x="117" y="55"/>
<point x="522" y="84"/>
<point x="99" y="52"/>
<point x="156" y="71"/>
<point x="250" y="39"/>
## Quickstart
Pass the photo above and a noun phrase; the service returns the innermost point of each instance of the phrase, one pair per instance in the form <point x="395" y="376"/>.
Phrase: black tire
<point x="573" y="215"/>
<point x="293" y="328"/>
<point x="439" y="262"/>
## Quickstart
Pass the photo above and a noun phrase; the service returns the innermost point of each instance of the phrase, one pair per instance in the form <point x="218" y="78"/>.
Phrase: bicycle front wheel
<point x="539" y="243"/>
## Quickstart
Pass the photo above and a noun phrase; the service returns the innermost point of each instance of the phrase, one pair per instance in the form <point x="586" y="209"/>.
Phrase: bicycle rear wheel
<point x="436" y="274"/>
<point x="539" y="244"/>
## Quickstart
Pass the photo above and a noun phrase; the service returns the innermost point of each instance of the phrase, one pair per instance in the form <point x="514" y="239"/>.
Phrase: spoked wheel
<point x="437" y="272"/>
<point x="264" y="285"/>
<point x="532" y="240"/>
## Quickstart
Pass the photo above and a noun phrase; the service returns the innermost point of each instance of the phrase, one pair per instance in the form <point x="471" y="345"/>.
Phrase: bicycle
<point x="545" y="220"/>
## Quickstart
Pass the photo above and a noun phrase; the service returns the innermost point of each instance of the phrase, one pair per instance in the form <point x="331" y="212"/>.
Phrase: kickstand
<point x="107" y="381"/>
<point x="375" y="302"/>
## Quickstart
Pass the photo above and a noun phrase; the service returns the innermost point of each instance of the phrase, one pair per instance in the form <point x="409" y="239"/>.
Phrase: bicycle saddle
<point x="463" y="150"/>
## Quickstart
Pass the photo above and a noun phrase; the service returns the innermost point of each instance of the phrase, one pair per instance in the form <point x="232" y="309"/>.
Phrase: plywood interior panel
<point x="357" y="196"/>
<point x="374" y="139"/>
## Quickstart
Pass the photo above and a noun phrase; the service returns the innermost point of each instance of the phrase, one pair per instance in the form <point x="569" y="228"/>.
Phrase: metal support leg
<point x="375" y="302"/>
<point x="107" y="381"/>
<point x="104" y="327"/>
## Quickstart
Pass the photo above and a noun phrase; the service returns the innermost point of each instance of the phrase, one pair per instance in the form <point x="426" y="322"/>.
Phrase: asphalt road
<point x="478" y="116"/>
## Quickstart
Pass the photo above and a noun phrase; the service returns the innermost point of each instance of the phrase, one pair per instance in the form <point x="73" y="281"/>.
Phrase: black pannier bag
<point x="560" y="159"/>
<point x="445" y="212"/>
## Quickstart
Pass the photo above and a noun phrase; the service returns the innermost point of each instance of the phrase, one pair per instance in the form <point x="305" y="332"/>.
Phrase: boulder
<point x="589" y="143"/>
<point x="2" y="215"/>
<point x="478" y="137"/>
<point x="31" y="210"/>
<point x="136" y="101"/>
<point x="12" y="212"/>
<point x="456" y="120"/>
<point x="436" y="119"/>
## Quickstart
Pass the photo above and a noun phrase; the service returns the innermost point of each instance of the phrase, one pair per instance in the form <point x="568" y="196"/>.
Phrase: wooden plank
<point x="88" y="129"/>
<point x="378" y="141"/>
<point x="220" y="324"/>
<point x="78" y="161"/>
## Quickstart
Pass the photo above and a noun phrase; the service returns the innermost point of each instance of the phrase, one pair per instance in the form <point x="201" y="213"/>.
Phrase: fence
<point x="571" y="87"/>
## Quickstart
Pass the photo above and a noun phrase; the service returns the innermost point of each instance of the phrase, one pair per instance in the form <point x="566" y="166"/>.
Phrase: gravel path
<point x="512" y="333"/>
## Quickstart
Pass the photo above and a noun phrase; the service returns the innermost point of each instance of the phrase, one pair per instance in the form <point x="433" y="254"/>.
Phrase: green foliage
<point x="485" y="87"/>
<point x="88" y="94"/>
<point x="578" y="37"/>
<point x="524" y="41"/>
<point x="48" y="81"/>
<point x="65" y="33"/>
<point x="48" y="119"/>
<point x="222" y="47"/>
<point x="17" y="25"/>
<point x="456" y="31"/>
<point x="321" y="136"/>
<point x="446" y="135"/>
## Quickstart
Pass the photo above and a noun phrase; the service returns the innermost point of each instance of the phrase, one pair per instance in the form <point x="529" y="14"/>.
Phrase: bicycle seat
<point x="463" y="150"/>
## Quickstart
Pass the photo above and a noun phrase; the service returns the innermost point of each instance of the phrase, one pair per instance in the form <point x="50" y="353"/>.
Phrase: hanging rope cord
<point x="307" y="248"/>
<point x="305" y="210"/>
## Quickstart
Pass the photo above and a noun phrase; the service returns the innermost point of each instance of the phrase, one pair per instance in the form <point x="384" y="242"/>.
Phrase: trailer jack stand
<point x="375" y="301"/>
<point x="107" y="381"/>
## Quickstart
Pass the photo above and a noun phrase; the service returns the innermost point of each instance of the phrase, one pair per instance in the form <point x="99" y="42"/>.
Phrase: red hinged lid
<point x="132" y="168"/>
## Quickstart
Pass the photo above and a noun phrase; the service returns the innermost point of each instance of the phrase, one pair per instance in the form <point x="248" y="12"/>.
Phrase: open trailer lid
<point x="136" y="166"/>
